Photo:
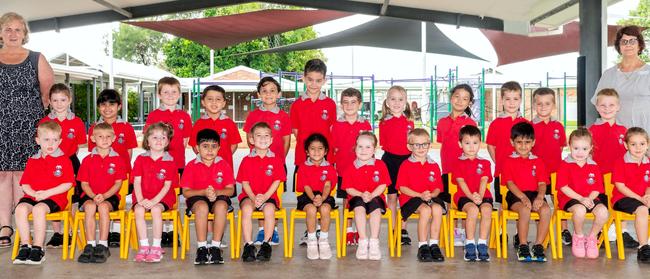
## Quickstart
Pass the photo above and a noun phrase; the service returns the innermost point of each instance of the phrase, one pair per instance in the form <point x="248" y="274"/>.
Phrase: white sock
<point x="144" y="242"/>
<point x="156" y="242"/>
<point x="103" y="242"/>
<point x="116" y="227"/>
<point x="482" y="241"/>
<point x="311" y="236"/>
<point x="469" y="241"/>
<point x="324" y="235"/>
<point x="260" y="229"/>
<point x="433" y="241"/>
<point x="350" y="229"/>
<point x="167" y="227"/>
<point x="625" y="231"/>
<point x="422" y="243"/>
<point x="249" y="243"/>
<point x="91" y="242"/>
<point x="216" y="244"/>
<point x="201" y="244"/>
<point x="317" y="227"/>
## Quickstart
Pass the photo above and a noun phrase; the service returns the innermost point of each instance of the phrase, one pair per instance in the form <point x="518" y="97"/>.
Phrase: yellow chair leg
<point x="504" y="237"/>
<point x="184" y="236"/>
<point x="66" y="233"/>
<point x="552" y="238"/>
<point x="558" y="230"/>
<point x="391" y="247"/>
<point x="284" y="235"/>
<point x="619" y="237"/>
<point x="292" y="231"/>
<point x="14" y="251"/>
<point x="233" y="255"/>
<point x="176" y="230"/>
<point x="451" y="236"/>
<point x="608" y="249"/>
<point x="75" y="228"/>
<point x="398" y="236"/>
<point x="238" y="241"/>
<point x="344" y="248"/>
<point x="337" y="222"/>
<point x="495" y="232"/>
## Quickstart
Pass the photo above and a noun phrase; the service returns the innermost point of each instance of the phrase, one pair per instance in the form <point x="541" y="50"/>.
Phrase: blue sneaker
<point x="470" y="252"/>
<point x="275" y="239"/>
<point x="260" y="237"/>
<point x="483" y="254"/>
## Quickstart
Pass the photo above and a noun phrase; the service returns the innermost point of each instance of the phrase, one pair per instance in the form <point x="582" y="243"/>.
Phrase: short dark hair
<point x="260" y="125"/>
<point x="266" y="80"/>
<point x="60" y="88"/>
<point x="315" y="65"/>
<point x="467" y="88"/>
<point x="213" y="88"/>
<point x="544" y="91"/>
<point x="352" y="92"/>
<point x="510" y="86"/>
<point x="207" y="135"/>
<point x="110" y="96"/>
<point x="523" y="130"/>
<point x="630" y="30"/>
<point x="319" y="138"/>
<point x="469" y="130"/>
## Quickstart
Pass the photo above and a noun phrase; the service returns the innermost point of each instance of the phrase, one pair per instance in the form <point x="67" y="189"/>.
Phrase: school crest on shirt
<point x="323" y="175"/>
<point x="621" y="137"/>
<point x="181" y="124"/>
<point x="70" y="133"/>
<point x="646" y="177"/>
<point x="375" y="176"/>
<point x="269" y="170"/>
<point x="556" y="134"/>
<point x="276" y="125"/>
<point x="534" y="172"/>
<point x="224" y="133"/>
<point x="120" y="138"/>
<point x="111" y="168"/>
<point x="432" y="177"/>
<point x="479" y="169"/>
<point x="324" y="114"/>
<point x="58" y="171"/>
<point x="592" y="179"/>
<point x="161" y="174"/>
<point x="219" y="177"/>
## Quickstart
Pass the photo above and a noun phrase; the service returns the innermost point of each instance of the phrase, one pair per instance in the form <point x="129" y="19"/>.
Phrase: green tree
<point x="138" y="45"/>
<point x="640" y="17"/>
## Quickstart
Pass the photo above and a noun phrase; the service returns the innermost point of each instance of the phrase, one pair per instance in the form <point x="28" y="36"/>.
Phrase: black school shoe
<point x="36" y="256"/>
<point x="538" y="253"/>
<point x="436" y="254"/>
<point x="424" y="254"/>
<point x="264" y="255"/>
<point x="201" y="256"/>
<point x="566" y="238"/>
<point x="87" y="255"/>
<point x="101" y="254"/>
<point x="114" y="239"/>
<point x="643" y="254"/>
<point x="23" y="254"/>
<point x="215" y="255"/>
<point x="515" y="241"/>
<point x="628" y="241"/>
<point x="166" y="239"/>
<point x="406" y="240"/>
<point x="56" y="241"/>
<point x="523" y="253"/>
<point x="249" y="253"/>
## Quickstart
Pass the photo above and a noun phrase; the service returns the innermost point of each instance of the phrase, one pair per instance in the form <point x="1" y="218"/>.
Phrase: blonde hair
<point x="385" y="111"/>
<point x="419" y="132"/>
<point x="581" y="133"/>
<point x="368" y="134"/>
<point x="636" y="131"/>
<point x="49" y="126"/>
<point x="103" y="127"/>
<point x="171" y="81"/>
<point x="7" y="17"/>
<point x="610" y="92"/>
<point x="162" y="126"/>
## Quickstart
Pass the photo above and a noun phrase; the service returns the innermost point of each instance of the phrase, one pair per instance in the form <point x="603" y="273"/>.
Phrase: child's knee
<point x="471" y="209"/>
<point x="200" y="208"/>
<point x="40" y="209"/>
<point x="22" y="209"/>
<point x="601" y="212"/>
<point x="579" y="210"/>
<point x="544" y="211"/>
<point x="220" y="206"/>
<point x="104" y="207"/>
<point x="325" y="208"/>
<point x="642" y="211"/>
<point x="436" y="210"/>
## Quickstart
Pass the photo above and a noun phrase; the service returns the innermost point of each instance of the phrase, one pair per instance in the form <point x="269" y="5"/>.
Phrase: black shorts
<point x="627" y="205"/>
<point x="340" y="193"/>
<point x="304" y="200"/>
<point x="50" y="203"/>
<point x="601" y="199"/>
<point x="412" y="205"/>
<point x="295" y="175"/>
<point x="497" y="189"/>
<point x="130" y="188"/>
<point x="375" y="203"/>
<point x="444" y="195"/>
<point x="270" y="200"/>
<point x="549" y="187"/>
<point x="462" y="201"/>
<point x="511" y="199"/>
<point x="77" y="187"/>
<point x="113" y="200"/>
<point x="189" y="202"/>
<point x="393" y="162"/>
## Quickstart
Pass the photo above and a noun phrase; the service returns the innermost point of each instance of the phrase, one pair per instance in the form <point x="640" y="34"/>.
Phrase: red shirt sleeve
<point x="28" y="174"/>
<point x="137" y="169"/>
<point x="402" y="177"/>
<point x="192" y="141"/>
<point x="228" y="175"/>
<point x="507" y="172"/>
<point x="345" y="184"/>
<point x="84" y="170"/>
<point x="293" y="114"/>
<point x="542" y="174"/>
<point x="438" y="180"/>
<point x="562" y="176"/>
<point x="488" y="170"/>
<point x="131" y="140"/>
<point x="242" y="173"/>
<point x="441" y="130"/>
<point x="492" y="134"/>
<point x="301" y="178"/>
<point x="235" y="138"/>
<point x="279" y="175"/>
<point x="171" y="168"/>
<point x="68" y="172"/>
<point x="187" y="179"/>
<point x="80" y="131"/>
<point x="286" y="124"/>
<point x="332" y="177"/>
<point x="618" y="175"/>
<point x="187" y="127"/>
<point x="382" y="127"/>
<point x="248" y="124"/>
<point x="384" y="177"/>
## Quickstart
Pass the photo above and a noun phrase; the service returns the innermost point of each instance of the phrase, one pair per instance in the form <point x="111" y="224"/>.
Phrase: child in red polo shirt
<point x="498" y="140"/>
<point x="526" y="177"/>
<point x="260" y="174"/>
<point x="154" y="177"/>
<point x="581" y="190"/>
<point x="208" y="182"/>
<point x="47" y="178"/>
<point x="213" y="100"/>
<point x="396" y="122"/>
<point x="344" y="134"/>
<point x="472" y="174"/>
<point x="420" y="184"/>
<point x="316" y="179"/>
<point x="110" y="103"/>
<point x="101" y="175"/>
<point x="73" y="134"/>
<point x="365" y="181"/>
<point x="632" y="192"/>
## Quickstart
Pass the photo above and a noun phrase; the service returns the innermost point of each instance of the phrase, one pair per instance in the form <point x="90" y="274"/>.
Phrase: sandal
<point x="5" y="241"/>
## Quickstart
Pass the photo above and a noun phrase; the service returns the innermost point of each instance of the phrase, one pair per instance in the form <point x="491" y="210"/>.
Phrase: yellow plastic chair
<point x="299" y="214"/>
<point x="455" y="213"/>
<point x="564" y="215"/>
<point x="281" y="214"/>
<point x="347" y="214"/>
<point x="172" y="214"/>
<point x="511" y="215"/>
<point x="65" y="216"/>
<point x="78" y="227"/>
<point x="185" y="243"/>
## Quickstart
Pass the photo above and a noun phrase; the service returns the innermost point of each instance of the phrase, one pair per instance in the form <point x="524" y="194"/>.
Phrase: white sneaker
<point x="324" y="249"/>
<point x="459" y="237"/>
<point x="312" y="249"/>
<point x="373" y="250"/>
<point x="362" y="249"/>
<point x="611" y="233"/>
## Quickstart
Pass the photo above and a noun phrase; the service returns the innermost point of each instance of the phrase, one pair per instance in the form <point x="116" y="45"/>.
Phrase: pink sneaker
<point x="155" y="255"/>
<point x="578" y="246"/>
<point x="592" y="247"/>
<point x="142" y="254"/>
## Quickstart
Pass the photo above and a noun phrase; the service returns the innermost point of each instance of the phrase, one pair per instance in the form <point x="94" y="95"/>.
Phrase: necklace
<point x="628" y="74"/>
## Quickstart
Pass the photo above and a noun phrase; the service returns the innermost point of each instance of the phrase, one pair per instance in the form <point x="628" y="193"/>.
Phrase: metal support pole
<point x="482" y="106"/>
<point x="431" y="106"/>
<point x="372" y="101"/>
<point x="94" y="117"/>
<point x="564" y="102"/>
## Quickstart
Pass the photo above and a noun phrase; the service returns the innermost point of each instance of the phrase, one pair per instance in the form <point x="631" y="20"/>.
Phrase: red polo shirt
<point x="102" y="173"/>
<point x="310" y="117"/>
<point x="44" y="173"/>
<point x="73" y="132"/>
<point x="227" y="130"/>
<point x="393" y="134"/>
<point x="344" y="137"/>
<point x="279" y="122"/>
<point x="182" y="123"/>
<point x="199" y="176"/>
<point x="260" y="173"/>
<point x="550" y="138"/>
<point x="315" y="176"/>
<point x="154" y="174"/>
<point x="124" y="140"/>
<point x="609" y="144"/>
<point x="499" y="136"/>
<point x="582" y="180"/>
<point x="525" y="173"/>
<point x="634" y="175"/>
<point x="366" y="177"/>
<point x="472" y="171"/>
<point x="418" y="177"/>
<point x="448" y="134"/>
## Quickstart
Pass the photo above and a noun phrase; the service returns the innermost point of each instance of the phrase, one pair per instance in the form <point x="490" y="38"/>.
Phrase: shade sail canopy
<point x="223" y="31"/>
<point x="383" y="32"/>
